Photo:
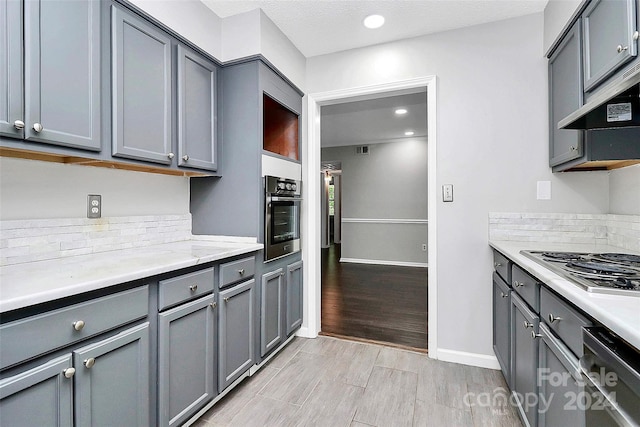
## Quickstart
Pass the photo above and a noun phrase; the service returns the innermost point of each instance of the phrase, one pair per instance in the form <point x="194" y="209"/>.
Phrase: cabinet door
<point x="271" y="310"/>
<point x="41" y="396"/>
<point x="525" y="358"/>
<point x="502" y="325"/>
<point x="294" y="297"/>
<point x="11" y="68"/>
<point x="141" y="89"/>
<point x="235" y="337"/>
<point x="112" y="380"/>
<point x="197" y="111"/>
<point x="62" y="72"/>
<point x="608" y="28"/>
<point x="186" y="361"/>
<point x="559" y="380"/>
<point x="565" y="96"/>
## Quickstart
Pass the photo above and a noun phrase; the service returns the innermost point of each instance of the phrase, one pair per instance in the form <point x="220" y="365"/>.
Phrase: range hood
<point x="614" y="106"/>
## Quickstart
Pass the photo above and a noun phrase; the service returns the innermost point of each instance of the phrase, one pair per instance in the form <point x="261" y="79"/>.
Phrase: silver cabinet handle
<point x="171" y="155"/>
<point x="226" y="299"/>
<point x="185" y="158"/>
<point x="193" y="288"/>
<point x="621" y="49"/>
<point x="213" y="305"/>
<point x="517" y="284"/>
<point x="89" y="362"/>
<point x="78" y="325"/>
<point x="37" y="127"/>
<point x="503" y="295"/>
<point x="553" y="318"/>
<point x="636" y="35"/>
<point x="534" y="335"/>
<point x="18" y="124"/>
<point x="497" y="264"/>
<point x="69" y="372"/>
<point x="573" y="148"/>
<point x="527" y="324"/>
<point x="241" y="272"/>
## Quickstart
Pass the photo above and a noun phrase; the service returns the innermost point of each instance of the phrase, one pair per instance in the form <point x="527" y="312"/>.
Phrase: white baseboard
<point x="382" y="262"/>
<point x="465" y="358"/>
<point x="305" y="332"/>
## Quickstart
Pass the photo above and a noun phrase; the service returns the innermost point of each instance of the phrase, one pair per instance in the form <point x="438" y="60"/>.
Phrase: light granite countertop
<point x="23" y="285"/>
<point x="619" y="313"/>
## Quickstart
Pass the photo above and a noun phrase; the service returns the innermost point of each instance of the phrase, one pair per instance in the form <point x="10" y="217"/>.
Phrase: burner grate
<point x="619" y="257"/>
<point x="564" y="256"/>
<point x="600" y="268"/>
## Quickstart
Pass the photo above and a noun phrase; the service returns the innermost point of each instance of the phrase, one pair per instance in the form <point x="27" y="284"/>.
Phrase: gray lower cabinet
<point x="271" y="310"/>
<point x="502" y="325"/>
<point x="197" y="110"/>
<point x="141" y="89"/>
<point x="609" y="42"/>
<point x="565" y="96"/>
<point x="294" y="293"/>
<point x="42" y="396"/>
<point x="561" y="398"/>
<point x="235" y="332"/>
<point x="62" y="72"/>
<point x="525" y="359"/>
<point x="112" y="380"/>
<point x="186" y="360"/>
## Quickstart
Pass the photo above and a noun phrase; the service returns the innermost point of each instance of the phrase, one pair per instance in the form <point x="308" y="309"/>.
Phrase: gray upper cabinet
<point x="197" y="110"/>
<point x="565" y="96"/>
<point x="112" y="380"/>
<point x="11" y="106"/>
<point x="294" y="297"/>
<point x="186" y="362"/>
<point x="608" y="27"/>
<point x="41" y="396"/>
<point x="141" y="89"/>
<point x="271" y="295"/>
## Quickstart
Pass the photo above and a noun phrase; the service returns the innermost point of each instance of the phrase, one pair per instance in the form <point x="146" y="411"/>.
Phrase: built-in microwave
<point x="283" y="201"/>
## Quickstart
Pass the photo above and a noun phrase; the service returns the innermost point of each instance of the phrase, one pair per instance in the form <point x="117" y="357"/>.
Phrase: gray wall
<point x="389" y="183"/>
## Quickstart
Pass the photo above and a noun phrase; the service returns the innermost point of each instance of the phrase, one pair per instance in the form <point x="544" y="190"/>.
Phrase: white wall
<point x="491" y="145"/>
<point x="557" y="14"/>
<point x="31" y="189"/>
<point x="389" y="183"/>
<point x="624" y="191"/>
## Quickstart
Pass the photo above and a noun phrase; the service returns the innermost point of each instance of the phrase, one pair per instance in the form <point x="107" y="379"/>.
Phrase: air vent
<point x="362" y="149"/>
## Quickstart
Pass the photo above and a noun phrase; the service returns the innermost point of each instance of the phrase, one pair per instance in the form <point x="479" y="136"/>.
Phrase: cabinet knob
<point x="226" y="299"/>
<point x="636" y="35"/>
<point x="171" y="155"/>
<point x="89" y="362"/>
<point x="241" y="272"/>
<point x="503" y="295"/>
<point x="69" y="372"/>
<point x="534" y="335"/>
<point x="497" y="264"/>
<point x="573" y="148"/>
<point x="553" y="318"/>
<point x="527" y="324"/>
<point x="78" y="325"/>
<point x="185" y="158"/>
<point x="517" y="284"/>
<point x="18" y="124"/>
<point x="621" y="49"/>
<point x="37" y="127"/>
<point x="213" y="305"/>
<point x="193" y="288"/>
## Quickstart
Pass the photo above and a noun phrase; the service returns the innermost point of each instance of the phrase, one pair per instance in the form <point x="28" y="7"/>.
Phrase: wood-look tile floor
<point x="335" y="382"/>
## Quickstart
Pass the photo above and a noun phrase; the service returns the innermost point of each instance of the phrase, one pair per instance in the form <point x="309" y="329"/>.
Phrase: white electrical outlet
<point x="447" y="193"/>
<point x="94" y="206"/>
<point x="424" y="247"/>
<point x="544" y="190"/>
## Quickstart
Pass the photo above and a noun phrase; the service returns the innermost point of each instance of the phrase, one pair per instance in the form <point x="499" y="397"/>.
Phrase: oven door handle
<point x="616" y="411"/>
<point x="285" y="199"/>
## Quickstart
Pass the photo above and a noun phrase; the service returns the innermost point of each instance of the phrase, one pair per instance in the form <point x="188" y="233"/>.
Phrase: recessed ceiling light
<point x="373" y="21"/>
<point x="409" y="133"/>
<point x="401" y="111"/>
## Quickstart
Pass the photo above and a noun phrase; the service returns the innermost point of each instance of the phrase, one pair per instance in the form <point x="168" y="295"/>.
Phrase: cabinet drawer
<point x="235" y="271"/>
<point x="29" y="337"/>
<point x="562" y="319"/>
<point x="501" y="265"/>
<point x="183" y="288"/>
<point x="526" y="286"/>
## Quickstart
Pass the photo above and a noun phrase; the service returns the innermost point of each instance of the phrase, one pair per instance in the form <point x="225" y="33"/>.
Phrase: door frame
<point x="311" y="205"/>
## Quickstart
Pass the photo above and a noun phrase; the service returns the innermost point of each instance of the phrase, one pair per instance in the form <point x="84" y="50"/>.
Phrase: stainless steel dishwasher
<point x="610" y="370"/>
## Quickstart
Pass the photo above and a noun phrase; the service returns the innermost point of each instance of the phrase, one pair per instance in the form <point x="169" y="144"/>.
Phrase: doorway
<point x="311" y="208"/>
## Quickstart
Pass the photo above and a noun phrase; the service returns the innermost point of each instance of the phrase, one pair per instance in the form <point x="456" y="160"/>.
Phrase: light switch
<point x="544" y="190"/>
<point x="447" y="193"/>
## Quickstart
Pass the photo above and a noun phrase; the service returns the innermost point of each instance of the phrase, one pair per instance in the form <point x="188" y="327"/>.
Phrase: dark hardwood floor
<point x="374" y="302"/>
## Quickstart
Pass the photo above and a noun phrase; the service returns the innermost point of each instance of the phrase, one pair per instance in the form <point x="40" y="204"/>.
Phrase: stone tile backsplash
<point x="41" y="239"/>
<point x="622" y="231"/>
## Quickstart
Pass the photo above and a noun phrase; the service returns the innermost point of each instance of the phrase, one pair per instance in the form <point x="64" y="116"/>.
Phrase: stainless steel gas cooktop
<point x="611" y="273"/>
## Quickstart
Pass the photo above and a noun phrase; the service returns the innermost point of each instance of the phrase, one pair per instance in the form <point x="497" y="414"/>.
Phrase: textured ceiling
<point x="374" y="120"/>
<point x="318" y="27"/>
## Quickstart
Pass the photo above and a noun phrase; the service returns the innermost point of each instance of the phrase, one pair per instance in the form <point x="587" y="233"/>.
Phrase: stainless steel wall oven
<point x="283" y="200"/>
